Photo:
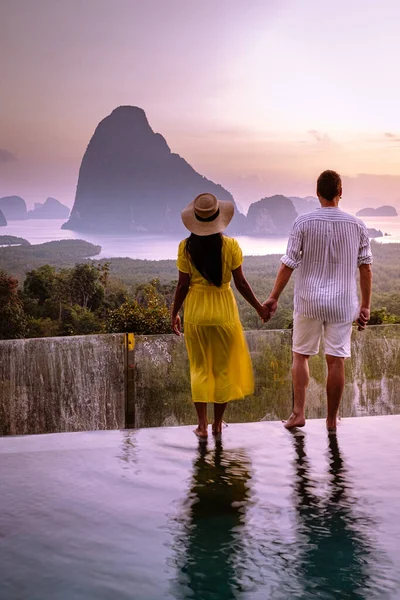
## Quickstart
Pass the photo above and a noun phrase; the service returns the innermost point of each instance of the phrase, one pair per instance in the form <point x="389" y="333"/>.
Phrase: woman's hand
<point x="264" y="313"/>
<point x="176" y="324"/>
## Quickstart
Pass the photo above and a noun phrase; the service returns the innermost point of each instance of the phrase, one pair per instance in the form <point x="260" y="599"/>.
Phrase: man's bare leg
<point x="334" y="389"/>
<point x="301" y="377"/>
<point x="201" y="409"/>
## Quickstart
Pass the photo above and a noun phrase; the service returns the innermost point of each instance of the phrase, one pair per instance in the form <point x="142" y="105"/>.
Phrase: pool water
<point x="152" y="514"/>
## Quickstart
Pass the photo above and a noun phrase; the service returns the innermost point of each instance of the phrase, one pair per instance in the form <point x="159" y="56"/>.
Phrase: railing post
<point x="130" y="421"/>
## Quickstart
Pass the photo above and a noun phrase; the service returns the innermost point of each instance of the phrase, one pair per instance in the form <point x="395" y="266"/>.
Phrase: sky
<point x="258" y="95"/>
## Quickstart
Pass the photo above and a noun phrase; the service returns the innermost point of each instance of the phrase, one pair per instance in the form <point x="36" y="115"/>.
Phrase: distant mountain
<point x="13" y="208"/>
<point x="3" y="220"/>
<point x="305" y="205"/>
<point x="12" y="240"/>
<point x="129" y="180"/>
<point x="271" y="216"/>
<point x="374" y="233"/>
<point x="382" y="211"/>
<point x="51" y="209"/>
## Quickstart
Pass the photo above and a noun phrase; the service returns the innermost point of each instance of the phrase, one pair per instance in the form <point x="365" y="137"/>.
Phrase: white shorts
<point x="307" y="336"/>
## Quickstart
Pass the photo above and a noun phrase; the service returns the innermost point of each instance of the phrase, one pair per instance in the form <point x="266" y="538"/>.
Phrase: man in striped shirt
<point x="326" y="247"/>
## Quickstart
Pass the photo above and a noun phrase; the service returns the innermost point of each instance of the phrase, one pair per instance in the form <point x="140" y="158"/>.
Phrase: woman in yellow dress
<point x="220" y="363"/>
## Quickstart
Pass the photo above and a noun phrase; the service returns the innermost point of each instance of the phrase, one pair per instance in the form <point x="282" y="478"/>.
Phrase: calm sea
<point x="157" y="247"/>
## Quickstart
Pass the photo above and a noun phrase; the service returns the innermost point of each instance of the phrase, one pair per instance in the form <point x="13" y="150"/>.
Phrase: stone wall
<point x="115" y="381"/>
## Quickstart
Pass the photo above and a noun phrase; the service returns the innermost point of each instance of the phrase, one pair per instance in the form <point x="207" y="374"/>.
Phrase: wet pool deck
<point x="150" y="514"/>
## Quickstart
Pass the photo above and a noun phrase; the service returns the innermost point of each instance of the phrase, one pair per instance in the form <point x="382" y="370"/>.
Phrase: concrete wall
<point x="62" y="384"/>
<point x="372" y="375"/>
<point x="162" y="388"/>
<point x="115" y="381"/>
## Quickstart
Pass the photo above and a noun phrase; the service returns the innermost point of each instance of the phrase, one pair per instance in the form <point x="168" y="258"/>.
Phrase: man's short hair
<point x="329" y="185"/>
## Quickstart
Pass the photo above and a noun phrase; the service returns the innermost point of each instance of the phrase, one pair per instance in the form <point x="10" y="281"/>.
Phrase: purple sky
<point x="259" y="96"/>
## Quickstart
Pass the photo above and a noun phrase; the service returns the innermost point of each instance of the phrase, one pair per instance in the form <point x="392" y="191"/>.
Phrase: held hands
<point x="271" y="305"/>
<point x="176" y="324"/>
<point x="263" y="311"/>
<point x="268" y="309"/>
<point x="363" y="318"/>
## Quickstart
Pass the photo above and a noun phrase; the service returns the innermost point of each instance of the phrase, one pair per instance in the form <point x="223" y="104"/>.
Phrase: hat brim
<point x="226" y="212"/>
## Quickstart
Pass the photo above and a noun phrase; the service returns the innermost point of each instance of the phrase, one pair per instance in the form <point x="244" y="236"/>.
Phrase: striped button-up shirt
<point x="326" y="247"/>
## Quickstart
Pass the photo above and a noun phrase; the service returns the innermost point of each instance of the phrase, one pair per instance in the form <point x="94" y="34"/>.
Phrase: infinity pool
<point x="151" y="515"/>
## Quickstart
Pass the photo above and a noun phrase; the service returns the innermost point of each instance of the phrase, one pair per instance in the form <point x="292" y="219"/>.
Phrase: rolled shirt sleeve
<point x="364" y="251"/>
<point x="294" y="251"/>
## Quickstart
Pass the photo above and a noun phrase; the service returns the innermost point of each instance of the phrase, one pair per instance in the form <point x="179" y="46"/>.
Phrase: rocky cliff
<point x="3" y="220"/>
<point x="130" y="180"/>
<point x="304" y="205"/>
<point x="51" y="209"/>
<point x="271" y="216"/>
<point x="13" y="207"/>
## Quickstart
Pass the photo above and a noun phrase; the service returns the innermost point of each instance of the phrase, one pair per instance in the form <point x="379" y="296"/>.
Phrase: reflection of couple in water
<point x="215" y="552"/>
<point x="326" y="247"/>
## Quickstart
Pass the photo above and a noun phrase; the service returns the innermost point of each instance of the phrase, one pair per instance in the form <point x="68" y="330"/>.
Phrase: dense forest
<point x="55" y="289"/>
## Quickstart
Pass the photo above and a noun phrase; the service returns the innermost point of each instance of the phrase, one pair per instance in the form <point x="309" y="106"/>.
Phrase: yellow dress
<point x="220" y="363"/>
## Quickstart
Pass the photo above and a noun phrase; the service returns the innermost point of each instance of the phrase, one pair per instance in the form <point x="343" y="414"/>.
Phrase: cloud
<point x="320" y="137"/>
<point x="6" y="156"/>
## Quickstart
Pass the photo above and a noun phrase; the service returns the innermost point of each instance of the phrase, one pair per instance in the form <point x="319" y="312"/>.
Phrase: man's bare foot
<point x="294" y="421"/>
<point x="201" y="433"/>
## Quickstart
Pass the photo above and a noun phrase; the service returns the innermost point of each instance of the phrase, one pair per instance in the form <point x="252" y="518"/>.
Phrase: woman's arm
<point x="281" y="281"/>
<point x="244" y="288"/>
<point x="181" y="292"/>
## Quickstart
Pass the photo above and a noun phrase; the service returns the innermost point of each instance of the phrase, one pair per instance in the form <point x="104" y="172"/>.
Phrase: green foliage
<point x="381" y="316"/>
<point x="146" y="315"/>
<point x="37" y="328"/>
<point x="39" y="284"/>
<point x="13" y="321"/>
<point x="86" y="289"/>
<point x="80" y="320"/>
<point x="61" y="297"/>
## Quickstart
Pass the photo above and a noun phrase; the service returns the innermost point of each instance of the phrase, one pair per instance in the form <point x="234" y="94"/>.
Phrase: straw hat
<point x="206" y="215"/>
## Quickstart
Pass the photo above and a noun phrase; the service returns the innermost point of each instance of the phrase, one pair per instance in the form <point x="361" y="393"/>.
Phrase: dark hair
<point x="205" y="252"/>
<point x="329" y="185"/>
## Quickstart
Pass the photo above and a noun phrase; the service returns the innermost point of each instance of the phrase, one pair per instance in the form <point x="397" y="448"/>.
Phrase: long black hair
<point x="205" y="252"/>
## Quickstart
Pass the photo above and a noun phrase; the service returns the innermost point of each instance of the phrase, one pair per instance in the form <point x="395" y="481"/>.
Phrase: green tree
<point x="149" y="316"/>
<point x="78" y="320"/>
<point x="13" y="320"/>
<point x="38" y="284"/>
<point x="37" y="328"/>
<point x="86" y="287"/>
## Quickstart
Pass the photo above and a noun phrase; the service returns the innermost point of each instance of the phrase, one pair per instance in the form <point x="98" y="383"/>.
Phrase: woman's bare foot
<point x="331" y="425"/>
<point x="294" y="421"/>
<point x="217" y="427"/>
<point x="201" y="433"/>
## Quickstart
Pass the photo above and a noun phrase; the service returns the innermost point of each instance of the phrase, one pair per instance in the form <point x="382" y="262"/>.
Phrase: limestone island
<point x="382" y="211"/>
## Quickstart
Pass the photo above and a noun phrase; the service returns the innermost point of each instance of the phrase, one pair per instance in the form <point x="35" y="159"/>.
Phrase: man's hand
<point x="176" y="324"/>
<point x="272" y="305"/>
<point x="363" y="318"/>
